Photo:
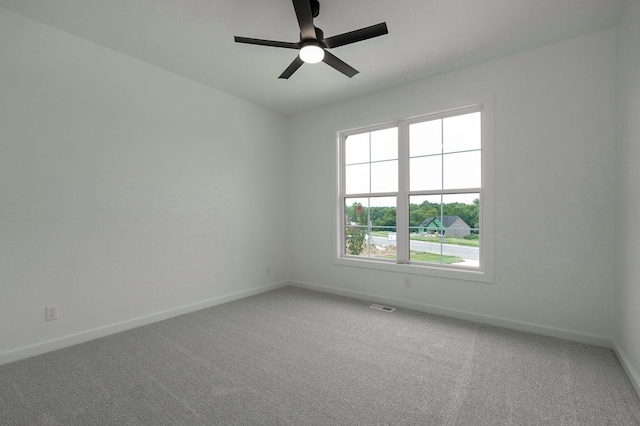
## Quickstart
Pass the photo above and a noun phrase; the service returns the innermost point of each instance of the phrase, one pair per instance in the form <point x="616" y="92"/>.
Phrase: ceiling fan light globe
<point x="311" y="54"/>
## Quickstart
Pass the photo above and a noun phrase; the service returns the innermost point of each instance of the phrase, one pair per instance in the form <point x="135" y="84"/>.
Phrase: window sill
<point x="455" y="273"/>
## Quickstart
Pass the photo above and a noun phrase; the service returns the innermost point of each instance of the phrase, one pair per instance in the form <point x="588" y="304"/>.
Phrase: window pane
<point x="384" y="176"/>
<point x="425" y="229"/>
<point x="467" y="207"/>
<point x="423" y="208"/>
<point x="356" y="225"/>
<point x="425" y="138"/>
<point x="444" y="229"/>
<point x="462" y="132"/>
<point x="356" y="149"/>
<point x="462" y="236"/>
<point x="357" y="179"/>
<point x="425" y="173"/>
<point x="370" y="227"/>
<point x="462" y="170"/>
<point x="384" y="144"/>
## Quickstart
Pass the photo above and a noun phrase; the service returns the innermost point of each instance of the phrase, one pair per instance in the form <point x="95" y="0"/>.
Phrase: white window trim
<point x="486" y="272"/>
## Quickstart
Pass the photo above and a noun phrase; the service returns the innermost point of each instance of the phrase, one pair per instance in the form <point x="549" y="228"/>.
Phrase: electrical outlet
<point x="267" y="270"/>
<point x="407" y="282"/>
<point x="51" y="312"/>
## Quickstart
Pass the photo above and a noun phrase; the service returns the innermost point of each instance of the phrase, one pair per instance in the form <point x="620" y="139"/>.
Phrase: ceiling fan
<point x="312" y="45"/>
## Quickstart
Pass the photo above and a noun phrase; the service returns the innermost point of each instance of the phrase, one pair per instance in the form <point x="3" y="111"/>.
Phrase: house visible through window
<point x="411" y="191"/>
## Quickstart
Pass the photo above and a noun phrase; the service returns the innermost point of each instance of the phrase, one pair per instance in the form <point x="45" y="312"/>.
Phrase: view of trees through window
<point x="371" y="232"/>
<point x="384" y="218"/>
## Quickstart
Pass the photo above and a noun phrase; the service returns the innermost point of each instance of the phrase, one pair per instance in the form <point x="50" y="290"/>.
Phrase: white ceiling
<point x="194" y="38"/>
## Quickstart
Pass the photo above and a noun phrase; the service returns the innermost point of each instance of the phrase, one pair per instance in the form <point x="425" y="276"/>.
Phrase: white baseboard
<point x="470" y="316"/>
<point x="85" y="336"/>
<point x="632" y="374"/>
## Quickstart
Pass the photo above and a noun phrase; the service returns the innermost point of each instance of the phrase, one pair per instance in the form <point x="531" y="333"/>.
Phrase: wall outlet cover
<point x="51" y="312"/>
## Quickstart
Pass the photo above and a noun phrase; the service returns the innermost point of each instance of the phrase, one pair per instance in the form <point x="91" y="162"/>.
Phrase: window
<point x="412" y="193"/>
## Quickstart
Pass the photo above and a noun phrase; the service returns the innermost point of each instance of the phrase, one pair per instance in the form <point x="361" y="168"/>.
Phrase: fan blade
<point x="357" y="35"/>
<point x="305" y="19"/>
<point x="271" y="43"/>
<point x="297" y="62"/>
<point x="338" y="64"/>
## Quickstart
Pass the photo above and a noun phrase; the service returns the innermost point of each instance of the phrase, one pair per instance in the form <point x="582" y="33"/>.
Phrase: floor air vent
<point x="383" y="308"/>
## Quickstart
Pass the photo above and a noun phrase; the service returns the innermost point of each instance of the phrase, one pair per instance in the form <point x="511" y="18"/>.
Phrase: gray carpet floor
<point x="298" y="357"/>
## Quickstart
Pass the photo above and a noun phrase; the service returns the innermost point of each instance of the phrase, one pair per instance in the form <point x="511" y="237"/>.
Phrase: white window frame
<point x="485" y="271"/>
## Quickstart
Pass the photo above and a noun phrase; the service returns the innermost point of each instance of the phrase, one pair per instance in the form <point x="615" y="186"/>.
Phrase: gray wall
<point x="627" y="328"/>
<point x="127" y="192"/>
<point x="554" y="164"/>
